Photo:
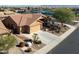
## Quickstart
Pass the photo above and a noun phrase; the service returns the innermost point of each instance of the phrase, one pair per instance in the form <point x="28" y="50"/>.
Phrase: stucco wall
<point x="35" y="28"/>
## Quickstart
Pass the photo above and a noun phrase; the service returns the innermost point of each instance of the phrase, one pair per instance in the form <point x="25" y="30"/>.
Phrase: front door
<point x="15" y="30"/>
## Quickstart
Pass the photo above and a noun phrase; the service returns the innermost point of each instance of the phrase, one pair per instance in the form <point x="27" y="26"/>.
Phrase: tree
<point x="63" y="15"/>
<point x="6" y="42"/>
<point x="49" y="20"/>
<point x="35" y="39"/>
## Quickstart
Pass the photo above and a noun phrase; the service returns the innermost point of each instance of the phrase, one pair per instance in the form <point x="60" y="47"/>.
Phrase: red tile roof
<point x="25" y="19"/>
<point x="3" y="28"/>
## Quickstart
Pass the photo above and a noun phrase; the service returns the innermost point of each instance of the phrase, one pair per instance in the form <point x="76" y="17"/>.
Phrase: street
<point x="69" y="46"/>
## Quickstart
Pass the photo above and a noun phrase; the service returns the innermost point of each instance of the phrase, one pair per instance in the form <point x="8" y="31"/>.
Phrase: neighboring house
<point x="9" y="13"/>
<point x="24" y="23"/>
<point x="3" y="29"/>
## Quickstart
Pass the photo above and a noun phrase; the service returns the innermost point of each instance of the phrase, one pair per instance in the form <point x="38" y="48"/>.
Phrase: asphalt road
<point x="69" y="46"/>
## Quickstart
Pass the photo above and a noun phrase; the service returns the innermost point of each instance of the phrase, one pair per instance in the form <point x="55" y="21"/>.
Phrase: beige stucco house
<point x="24" y="23"/>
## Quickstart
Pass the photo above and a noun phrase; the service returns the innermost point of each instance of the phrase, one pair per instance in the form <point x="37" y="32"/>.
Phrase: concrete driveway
<point x="47" y="37"/>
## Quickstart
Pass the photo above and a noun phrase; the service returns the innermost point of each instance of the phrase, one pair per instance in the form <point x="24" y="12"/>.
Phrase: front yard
<point x="46" y="37"/>
<point x="34" y="47"/>
<point x="47" y="40"/>
<point x="56" y="28"/>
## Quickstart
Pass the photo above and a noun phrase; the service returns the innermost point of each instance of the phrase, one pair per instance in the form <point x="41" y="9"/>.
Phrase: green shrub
<point x="37" y="42"/>
<point x="6" y="42"/>
<point x="28" y="50"/>
<point x="35" y="39"/>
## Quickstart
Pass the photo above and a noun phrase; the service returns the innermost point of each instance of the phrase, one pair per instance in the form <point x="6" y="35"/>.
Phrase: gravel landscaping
<point x="34" y="47"/>
<point x="62" y="31"/>
<point x="57" y="30"/>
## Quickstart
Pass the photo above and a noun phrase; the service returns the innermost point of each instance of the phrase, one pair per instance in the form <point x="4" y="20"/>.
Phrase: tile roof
<point x="3" y="28"/>
<point x="25" y="19"/>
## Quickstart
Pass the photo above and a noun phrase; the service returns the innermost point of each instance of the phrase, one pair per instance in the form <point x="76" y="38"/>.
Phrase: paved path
<point x="69" y="46"/>
<point x="47" y="37"/>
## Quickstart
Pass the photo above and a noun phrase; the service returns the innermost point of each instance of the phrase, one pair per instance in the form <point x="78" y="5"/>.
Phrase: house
<point x="9" y="12"/>
<point x="3" y="29"/>
<point x="23" y="23"/>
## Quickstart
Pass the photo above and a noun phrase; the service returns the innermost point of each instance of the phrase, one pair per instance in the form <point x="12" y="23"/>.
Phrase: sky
<point x="24" y="2"/>
<point x="39" y="2"/>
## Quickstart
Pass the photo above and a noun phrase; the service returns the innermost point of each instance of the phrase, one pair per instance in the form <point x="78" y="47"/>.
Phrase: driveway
<point x="47" y="37"/>
<point x="69" y="46"/>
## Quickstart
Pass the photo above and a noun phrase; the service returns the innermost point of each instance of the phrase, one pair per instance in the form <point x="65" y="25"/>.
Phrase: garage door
<point x="34" y="28"/>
